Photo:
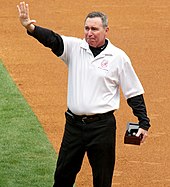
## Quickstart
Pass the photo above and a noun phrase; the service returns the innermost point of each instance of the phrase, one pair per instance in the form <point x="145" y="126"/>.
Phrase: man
<point x="96" y="71"/>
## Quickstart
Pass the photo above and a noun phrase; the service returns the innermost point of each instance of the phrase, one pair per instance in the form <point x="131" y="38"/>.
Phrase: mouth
<point x="90" y="40"/>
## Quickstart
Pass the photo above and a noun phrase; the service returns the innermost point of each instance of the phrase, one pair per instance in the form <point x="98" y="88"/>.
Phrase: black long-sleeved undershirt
<point x="54" y="41"/>
<point x="49" y="39"/>
<point x="137" y="104"/>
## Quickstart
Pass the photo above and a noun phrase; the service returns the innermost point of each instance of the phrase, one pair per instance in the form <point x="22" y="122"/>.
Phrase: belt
<point x="91" y="118"/>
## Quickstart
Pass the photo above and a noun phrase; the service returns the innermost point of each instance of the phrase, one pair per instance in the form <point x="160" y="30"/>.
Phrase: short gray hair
<point x="99" y="15"/>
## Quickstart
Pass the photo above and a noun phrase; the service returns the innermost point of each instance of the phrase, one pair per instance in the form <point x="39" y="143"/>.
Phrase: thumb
<point x="138" y="133"/>
<point x="31" y="22"/>
<point x="30" y="25"/>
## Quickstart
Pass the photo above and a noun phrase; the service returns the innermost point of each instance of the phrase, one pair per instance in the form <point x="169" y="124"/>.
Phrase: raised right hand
<point x="25" y="20"/>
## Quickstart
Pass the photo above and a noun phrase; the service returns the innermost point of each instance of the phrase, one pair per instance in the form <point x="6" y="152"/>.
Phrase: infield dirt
<point x="141" y="29"/>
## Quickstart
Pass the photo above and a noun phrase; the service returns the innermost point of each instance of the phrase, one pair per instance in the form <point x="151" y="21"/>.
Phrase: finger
<point x="23" y="7"/>
<point x="19" y="10"/>
<point x="27" y="10"/>
<point x="20" y="7"/>
<point x="138" y="133"/>
<point x="143" y="136"/>
<point x="143" y="139"/>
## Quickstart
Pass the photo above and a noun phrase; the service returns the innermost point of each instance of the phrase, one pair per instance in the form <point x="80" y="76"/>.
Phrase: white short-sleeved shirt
<point x="94" y="82"/>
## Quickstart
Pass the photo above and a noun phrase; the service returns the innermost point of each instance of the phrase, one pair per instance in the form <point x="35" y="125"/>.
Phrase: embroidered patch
<point x="104" y="64"/>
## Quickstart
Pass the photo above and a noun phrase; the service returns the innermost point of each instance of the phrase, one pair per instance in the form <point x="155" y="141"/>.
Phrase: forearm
<point x="49" y="39"/>
<point x="139" y="110"/>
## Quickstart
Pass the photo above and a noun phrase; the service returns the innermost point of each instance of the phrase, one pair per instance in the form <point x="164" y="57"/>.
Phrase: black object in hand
<point x="130" y="135"/>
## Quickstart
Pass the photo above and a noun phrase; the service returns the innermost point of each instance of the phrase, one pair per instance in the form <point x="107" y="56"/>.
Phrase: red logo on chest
<point x="104" y="64"/>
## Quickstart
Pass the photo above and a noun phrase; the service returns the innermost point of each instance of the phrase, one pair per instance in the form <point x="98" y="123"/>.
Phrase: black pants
<point x="98" y="140"/>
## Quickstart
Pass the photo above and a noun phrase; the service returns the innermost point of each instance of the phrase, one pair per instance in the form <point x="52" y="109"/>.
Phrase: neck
<point x="98" y="50"/>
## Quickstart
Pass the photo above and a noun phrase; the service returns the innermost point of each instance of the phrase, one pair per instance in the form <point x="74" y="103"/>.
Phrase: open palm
<point x="23" y="11"/>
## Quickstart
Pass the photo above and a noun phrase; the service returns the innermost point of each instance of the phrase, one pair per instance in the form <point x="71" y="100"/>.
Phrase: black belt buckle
<point x="89" y="119"/>
<point x="84" y="119"/>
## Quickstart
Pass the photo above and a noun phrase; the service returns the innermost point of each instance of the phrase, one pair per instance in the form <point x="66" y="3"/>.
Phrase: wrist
<point x="30" y="28"/>
<point x="144" y="125"/>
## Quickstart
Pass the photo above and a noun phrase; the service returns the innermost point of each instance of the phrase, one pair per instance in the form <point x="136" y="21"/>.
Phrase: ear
<point x="107" y="29"/>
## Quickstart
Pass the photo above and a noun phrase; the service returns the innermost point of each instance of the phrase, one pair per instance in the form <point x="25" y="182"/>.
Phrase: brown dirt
<point x="141" y="28"/>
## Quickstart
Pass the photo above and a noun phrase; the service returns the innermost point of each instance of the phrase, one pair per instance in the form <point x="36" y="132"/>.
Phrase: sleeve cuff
<point x="144" y="125"/>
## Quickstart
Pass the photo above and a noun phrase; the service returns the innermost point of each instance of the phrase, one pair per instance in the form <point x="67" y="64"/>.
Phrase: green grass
<point x="27" y="159"/>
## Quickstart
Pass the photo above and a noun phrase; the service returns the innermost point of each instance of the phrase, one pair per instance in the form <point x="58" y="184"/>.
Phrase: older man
<point x="96" y="71"/>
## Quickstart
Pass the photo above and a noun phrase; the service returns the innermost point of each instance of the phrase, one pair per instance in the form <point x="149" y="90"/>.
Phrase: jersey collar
<point x="107" y="51"/>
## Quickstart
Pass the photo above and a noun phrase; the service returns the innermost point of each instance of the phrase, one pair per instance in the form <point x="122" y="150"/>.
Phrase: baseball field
<point x="141" y="28"/>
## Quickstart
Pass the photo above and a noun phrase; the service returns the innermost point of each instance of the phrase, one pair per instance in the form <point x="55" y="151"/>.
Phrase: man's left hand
<point x="144" y="134"/>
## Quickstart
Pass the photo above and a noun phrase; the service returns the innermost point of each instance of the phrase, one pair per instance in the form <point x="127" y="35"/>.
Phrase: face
<point x="94" y="32"/>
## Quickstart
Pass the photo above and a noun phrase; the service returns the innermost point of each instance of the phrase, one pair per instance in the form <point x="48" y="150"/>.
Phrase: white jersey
<point x="94" y="82"/>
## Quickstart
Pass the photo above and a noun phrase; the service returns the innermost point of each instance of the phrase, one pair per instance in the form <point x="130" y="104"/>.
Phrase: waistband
<point x="90" y="118"/>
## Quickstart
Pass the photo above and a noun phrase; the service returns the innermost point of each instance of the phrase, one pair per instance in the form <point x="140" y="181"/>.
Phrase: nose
<point x="89" y="32"/>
